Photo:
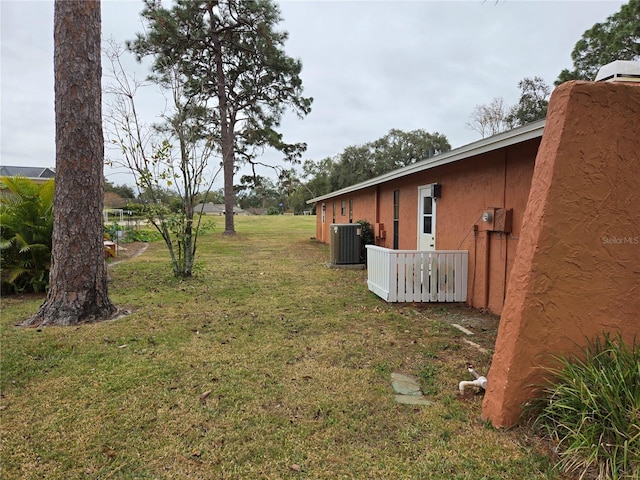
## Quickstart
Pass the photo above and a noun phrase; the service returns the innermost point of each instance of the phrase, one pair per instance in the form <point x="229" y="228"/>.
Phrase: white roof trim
<point x="501" y="140"/>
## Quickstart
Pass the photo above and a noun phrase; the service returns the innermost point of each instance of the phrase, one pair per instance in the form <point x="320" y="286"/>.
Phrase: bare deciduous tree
<point x="490" y="119"/>
<point x="173" y="155"/>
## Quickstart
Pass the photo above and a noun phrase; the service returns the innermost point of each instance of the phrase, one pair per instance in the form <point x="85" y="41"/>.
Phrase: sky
<point x="371" y="66"/>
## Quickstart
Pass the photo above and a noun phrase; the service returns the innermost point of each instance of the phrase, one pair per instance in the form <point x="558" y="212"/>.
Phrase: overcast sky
<point x="369" y="65"/>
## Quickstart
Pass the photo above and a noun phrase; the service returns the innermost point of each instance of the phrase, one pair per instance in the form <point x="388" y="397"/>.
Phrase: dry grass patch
<point x="266" y="364"/>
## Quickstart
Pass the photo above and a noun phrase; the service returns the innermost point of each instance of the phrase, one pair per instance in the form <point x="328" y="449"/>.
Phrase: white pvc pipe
<point x="478" y="382"/>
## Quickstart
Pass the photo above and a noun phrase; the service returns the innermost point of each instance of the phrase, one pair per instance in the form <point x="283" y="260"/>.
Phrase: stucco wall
<point x="577" y="267"/>
<point x="496" y="179"/>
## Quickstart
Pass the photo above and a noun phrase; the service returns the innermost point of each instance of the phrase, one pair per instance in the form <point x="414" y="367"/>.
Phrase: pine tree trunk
<point x="226" y="131"/>
<point x="78" y="278"/>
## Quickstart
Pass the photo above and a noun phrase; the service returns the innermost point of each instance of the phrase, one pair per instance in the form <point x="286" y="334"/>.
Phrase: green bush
<point x="136" y="209"/>
<point x="592" y="410"/>
<point x="143" y="236"/>
<point x="26" y="229"/>
<point x="366" y="238"/>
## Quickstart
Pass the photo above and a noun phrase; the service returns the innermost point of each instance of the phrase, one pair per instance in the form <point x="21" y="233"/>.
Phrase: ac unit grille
<point x="345" y="241"/>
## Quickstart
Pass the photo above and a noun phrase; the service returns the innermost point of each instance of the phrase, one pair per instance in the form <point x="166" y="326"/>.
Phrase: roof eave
<point x="495" y="142"/>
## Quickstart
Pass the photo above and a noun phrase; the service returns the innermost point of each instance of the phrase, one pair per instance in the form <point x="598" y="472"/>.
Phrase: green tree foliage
<point x="125" y="191"/>
<point x="26" y="229"/>
<point x="257" y="192"/>
<point x="533" y="103"/>
<point x="398" y="149"/>
<point x="617" y="38"/>
<point x="313" y="182"/>
<point x="358" y="163"/>
<point x="235" y="68"/>
<point x="395" y="150"/>
<point x="215" y="196"/>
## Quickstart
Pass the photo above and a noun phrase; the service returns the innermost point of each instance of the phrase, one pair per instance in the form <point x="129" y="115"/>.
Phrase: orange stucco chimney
<point x="576" y="272"/>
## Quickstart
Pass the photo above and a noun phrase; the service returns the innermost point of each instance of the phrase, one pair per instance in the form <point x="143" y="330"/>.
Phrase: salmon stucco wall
<point x="499" y="179"/>
<point x="577" y="269"/>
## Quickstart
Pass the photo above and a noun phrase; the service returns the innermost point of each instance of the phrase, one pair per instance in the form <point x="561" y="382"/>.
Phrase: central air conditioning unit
<point x="345" y="241"/>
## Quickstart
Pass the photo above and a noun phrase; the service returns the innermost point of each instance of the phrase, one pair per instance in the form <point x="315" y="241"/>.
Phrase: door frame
<point x="423" y="192"/>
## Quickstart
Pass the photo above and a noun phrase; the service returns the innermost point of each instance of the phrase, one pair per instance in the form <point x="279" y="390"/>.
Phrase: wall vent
<point x="345" y="241"/>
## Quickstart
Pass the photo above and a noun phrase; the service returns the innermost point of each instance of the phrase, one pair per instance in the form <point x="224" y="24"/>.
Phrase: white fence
<point x="418" y="276"/>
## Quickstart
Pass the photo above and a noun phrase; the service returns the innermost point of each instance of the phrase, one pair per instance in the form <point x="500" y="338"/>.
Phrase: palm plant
<point x="26" y="229"/>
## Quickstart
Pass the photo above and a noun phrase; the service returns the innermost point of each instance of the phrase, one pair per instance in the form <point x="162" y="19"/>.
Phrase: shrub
<point x="592" y="410"/>
<point x="366" y="238"/>
<point x="26" y="230"/>
<point x="143" y="236"/>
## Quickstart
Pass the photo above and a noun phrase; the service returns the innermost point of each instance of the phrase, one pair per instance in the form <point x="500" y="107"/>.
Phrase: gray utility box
<point x="345" y="241"/>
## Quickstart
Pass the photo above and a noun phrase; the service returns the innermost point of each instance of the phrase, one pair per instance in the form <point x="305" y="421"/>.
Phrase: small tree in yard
<point x="78" y="277"/>
<point x="234" y="67"/>
<point x="158" y="166"/>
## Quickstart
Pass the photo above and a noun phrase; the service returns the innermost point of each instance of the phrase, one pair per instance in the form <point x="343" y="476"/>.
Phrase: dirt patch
<point x="480" y="322"/>
<point x="127" y="251"/>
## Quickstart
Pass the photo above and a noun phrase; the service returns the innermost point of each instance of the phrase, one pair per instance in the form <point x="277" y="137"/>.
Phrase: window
<point x="324" y="212"/>
<point x="427" y="217"/>
<point x="396" y="219"/>
<point x="343" y="208"/>
<point x="333" y="220"/>
<point x="351" y="210"/>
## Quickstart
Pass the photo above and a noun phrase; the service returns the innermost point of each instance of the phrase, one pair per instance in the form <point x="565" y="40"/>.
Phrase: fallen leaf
<point x="295" y="467"/>
<point x="203" y="397"/>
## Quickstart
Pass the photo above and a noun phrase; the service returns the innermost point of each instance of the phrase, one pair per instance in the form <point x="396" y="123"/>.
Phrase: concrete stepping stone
<point x="413" y="400"/>
<point x="407" y="388"/>
<point x="405" y="384"/>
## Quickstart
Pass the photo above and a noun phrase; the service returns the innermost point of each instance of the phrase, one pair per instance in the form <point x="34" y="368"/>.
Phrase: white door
<point x="426" y="219"/>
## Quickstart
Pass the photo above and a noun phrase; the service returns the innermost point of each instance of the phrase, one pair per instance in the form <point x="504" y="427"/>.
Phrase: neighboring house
<point x="444" y="203"/>
<point x="216" y="209"/>
<point x="37" y="174"/>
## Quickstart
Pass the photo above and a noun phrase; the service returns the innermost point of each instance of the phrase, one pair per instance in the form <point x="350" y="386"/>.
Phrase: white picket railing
<point x="418" y="276"/>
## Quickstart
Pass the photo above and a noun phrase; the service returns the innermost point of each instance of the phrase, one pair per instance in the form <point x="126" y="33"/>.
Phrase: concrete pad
<point x="346" y="266"/>
<point x="413" y="400"/>
<point x="462" y="329"/>
<point x="405" y="384"/>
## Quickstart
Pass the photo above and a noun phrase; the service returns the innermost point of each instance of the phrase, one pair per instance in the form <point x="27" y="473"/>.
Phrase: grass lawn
<point x="265" y="365"/>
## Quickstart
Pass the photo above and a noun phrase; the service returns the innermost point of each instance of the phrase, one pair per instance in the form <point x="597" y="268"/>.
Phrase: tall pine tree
<point x="233" y="60"/>
<point x="78" y="277"/>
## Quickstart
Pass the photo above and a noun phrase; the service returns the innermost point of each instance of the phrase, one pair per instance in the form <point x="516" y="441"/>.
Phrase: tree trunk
<point x="226" y="130"/>
<point x="78" y="278"/>
<point x="229" y="197"/>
